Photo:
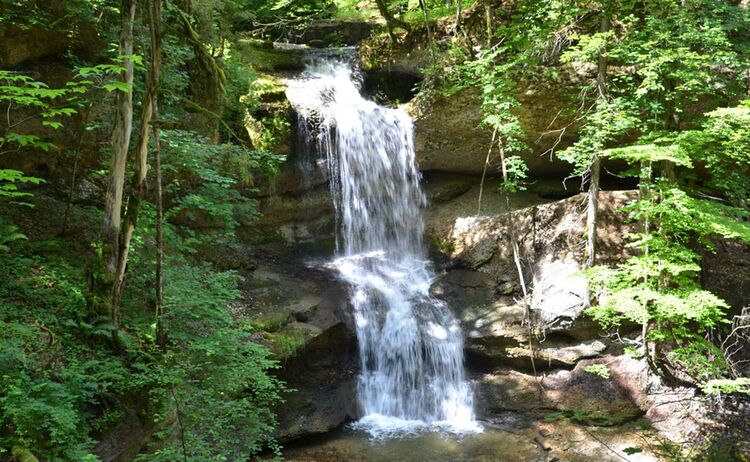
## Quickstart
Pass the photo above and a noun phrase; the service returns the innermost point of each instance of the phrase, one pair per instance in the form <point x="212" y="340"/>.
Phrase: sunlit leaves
<point x="649" y="153"/>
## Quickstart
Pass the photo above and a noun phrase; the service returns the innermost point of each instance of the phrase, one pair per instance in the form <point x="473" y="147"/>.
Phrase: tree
<point x="105" y="278"/>
<point x="602" y="123"/>
<point x="391" y="22"/>
<point x="141" y="160"/>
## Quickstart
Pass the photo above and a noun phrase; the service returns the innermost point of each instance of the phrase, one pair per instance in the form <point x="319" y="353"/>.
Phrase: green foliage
<point x="10" y="181"/>
<point x="599" y="370"/>
<point x="700" y="359"/>
<point x="606" y="122"/>
<point x="8" y="234"/>
<point x="216" y="376"/>
<point x="50" y="373"/>
<point x="727" y="386"/>
<point x="661" y="283"/>
<point x="203" y="182"/>
<point x="723" y="146"/>
<point x="24" y="99"/>
<point x="450" y="73"/>
<point x="67" y="17"/>
<point x="498" y="104"/>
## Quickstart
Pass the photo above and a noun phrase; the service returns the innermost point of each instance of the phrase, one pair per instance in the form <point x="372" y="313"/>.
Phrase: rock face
<point x="481" y="283"/>
<point x="729" y="281"/>
<point x="619" y="397"/>
<point x="324" y="375"/>
<point x="448" y="136"/>
<point x="304" y="314"/>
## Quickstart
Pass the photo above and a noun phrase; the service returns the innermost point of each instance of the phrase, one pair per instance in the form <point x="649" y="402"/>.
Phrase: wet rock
<point x="304" y="317"/>
<point x="323" y="376"/>
<point x="126" y="439"/>
<point x="268" y="57"/>
<point x="336" y="33"/>
<point x="443" y="188"/>
<point x="448" y="137"/>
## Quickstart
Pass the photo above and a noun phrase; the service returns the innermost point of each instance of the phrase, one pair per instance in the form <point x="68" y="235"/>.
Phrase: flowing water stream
<point x="411" y="353"/>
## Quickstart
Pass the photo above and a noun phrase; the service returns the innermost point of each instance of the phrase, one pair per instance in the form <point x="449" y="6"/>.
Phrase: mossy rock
<point x="267" y="58"/>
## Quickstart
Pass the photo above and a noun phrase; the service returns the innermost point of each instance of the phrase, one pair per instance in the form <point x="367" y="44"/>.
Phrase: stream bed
<point x="539" y="441"/>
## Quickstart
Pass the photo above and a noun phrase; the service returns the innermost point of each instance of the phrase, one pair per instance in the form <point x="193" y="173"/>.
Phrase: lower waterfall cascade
<point x="410" y="347"/>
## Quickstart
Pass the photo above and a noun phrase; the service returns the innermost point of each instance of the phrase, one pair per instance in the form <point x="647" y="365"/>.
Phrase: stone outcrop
<point x="621" y="395"/>
<point x="449" y="137"/>
<point x="303" y="315"/>
<point x="481" y="283"/>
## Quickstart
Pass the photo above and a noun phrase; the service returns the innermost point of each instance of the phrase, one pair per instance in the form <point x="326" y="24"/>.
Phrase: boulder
<point x="552" y="249"/>
<point x="322" y="377"/>
<point x="726" y="270"/>
<point x="303" y="316"/>
<point x="326" y="34"/>
<point x="581" y="395"/>
<point x="499" y="336"/>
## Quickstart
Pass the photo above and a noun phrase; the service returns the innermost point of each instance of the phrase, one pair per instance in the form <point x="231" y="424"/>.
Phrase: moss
<point x="264" y="57"/>
<point x="271" y="322"/>
<point x="446" y="246"/>
<point x="286" y="343"/>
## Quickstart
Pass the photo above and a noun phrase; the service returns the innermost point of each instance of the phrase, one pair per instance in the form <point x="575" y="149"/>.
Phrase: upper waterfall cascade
<point x="411" y="352"/>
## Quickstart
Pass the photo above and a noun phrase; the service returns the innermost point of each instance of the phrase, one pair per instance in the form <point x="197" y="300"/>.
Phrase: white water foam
<point x="412" y="375"/>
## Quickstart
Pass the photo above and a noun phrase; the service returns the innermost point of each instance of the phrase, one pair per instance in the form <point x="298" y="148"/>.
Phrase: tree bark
<point x="391" y="21"/>
<point x="592" y="208"/>
<point x="592" y="212"/>
<point x="517" y="257"/>
<point x="457" y="26"/>
<point x="104" y="277"/>
<point x="156" y="26"/>
<point x="141" y="159"/>
<point x="488" y="22"/>
<point x="426" y="12"/>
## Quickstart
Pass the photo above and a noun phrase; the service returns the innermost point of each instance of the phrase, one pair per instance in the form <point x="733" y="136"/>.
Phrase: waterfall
<point x="410" y="346"/>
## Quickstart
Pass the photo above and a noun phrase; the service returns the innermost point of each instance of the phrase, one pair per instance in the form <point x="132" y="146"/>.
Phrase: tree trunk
<point x="457" y="26"/>
<point x="390" y="21"/>
<point x="591" y="215"/>
<point x="517" y="257"/>
<point x="426" y="12"/>
<point x="134" y="201"/>
<point x="141" y="159"/>
<point x="71" y="193"/>
<point x="155" y="22"/>
<point x="488" y="22"/>
<point x="104" y="277"/>
<point x="595" y="168"/>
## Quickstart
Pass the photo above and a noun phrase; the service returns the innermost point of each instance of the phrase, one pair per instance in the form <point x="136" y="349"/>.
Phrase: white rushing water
<point x="412" y="374"/>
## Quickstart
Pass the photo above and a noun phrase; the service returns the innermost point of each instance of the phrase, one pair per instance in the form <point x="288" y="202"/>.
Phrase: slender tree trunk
<point x="644" y="193"/>
<point x="134" y="200"/>
<point x="517" y="258"/>
<point x="156" y="32"/>
<point x="141" y="159"/>
<point x="457" y="26"/>
<point x="488" y="22"/>
<point x="671" y="122"/>
<point x="161" y="335"/>
<point x="423" y="4"/>
<point x="484" y="172"/>
<point x="104" y="277"/>
<point x="592" y="212"/>
<point x="71" y="193"/>
<point x="390" y="21"/>
<point x="595" y="169"/>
